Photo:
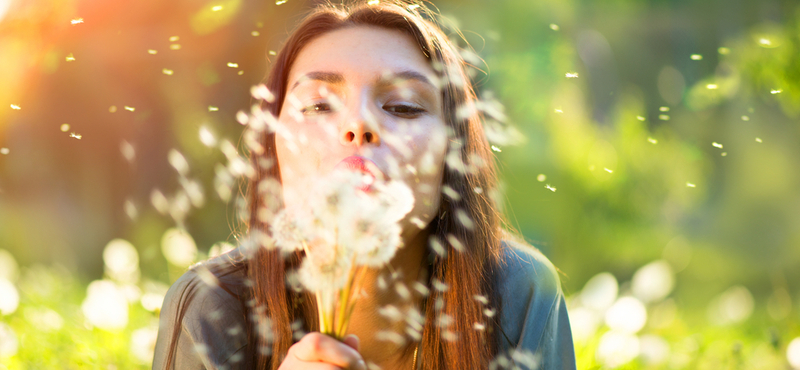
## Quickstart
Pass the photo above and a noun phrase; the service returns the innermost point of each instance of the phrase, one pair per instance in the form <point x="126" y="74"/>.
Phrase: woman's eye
<point x="316" y="108"/>
<point x="404" y="110"/>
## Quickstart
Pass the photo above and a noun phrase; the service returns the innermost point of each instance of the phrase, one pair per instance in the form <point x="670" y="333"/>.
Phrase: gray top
<point x="533" y="316"/>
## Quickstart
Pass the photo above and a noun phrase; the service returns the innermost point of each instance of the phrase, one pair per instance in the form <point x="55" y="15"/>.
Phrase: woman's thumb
<point x="352" y="341"/>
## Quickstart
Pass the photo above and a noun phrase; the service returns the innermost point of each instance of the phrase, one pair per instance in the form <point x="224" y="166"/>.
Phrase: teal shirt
<point x="533" y="316"/>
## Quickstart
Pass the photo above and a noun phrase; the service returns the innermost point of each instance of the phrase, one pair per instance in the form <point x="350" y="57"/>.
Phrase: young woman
<point x="379" y="88"/>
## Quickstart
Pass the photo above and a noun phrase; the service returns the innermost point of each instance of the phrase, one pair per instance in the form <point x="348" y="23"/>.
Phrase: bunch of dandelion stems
<point x="335" y="322"/>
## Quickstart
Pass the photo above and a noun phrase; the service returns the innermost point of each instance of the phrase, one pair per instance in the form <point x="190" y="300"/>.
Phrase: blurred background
<point x="658" y="169"/>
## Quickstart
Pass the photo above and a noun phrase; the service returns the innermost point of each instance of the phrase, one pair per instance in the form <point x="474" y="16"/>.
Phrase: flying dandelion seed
<point x="663" y="117"/>
<point x="554" y="27"/>
<point x="76" y="21"/>
<point x="412" y="7"/>
<point x="627" y="315"/>
<point x="70" y="58"/>
<point x="9" y="297"/>
<point x="279" y="2"/>
<point x="640" y="118"/>
<point x="4" y="151"/>
<point x="174" y="38"/>
<point x="745" y="118"/>
<point x="778" y="91"/>
<point x="541" y="177"/>
<point x="711" y="86"/>
<point x="233" y="65"/>
<point x="696" y="57"/>
<point x="663" y="109"/>
<point x="548" y="187"/>
<point x="272" y="52"/>
<point x="143" y="344"/>
<point x="255" y="33"/>
<point x="178" y="162"/>
<point x="8" y="341"/>
<point x="105" y="306"/>
<point x="128" y="152"/>
<point x="758" y="140"/>
<point x="652" y="141"/>
<point x="130" y="109"/>
<point x="178" y="247"/>
<point x="716" y="145"/>
<point x="152" y="51"/>
<point x="373" y="2"/>
<point x="608" y="170"/>
<point x="130" y="209"/>
<point x="572" y="74"/>
<point x="240" y="73"/>
<point x="724" y="154"/>
<point x="206" y="137"/>
<point x="112" y="109"/>
<point x="764" y="42"/>
<point x="216" y="8"/>
<point x="496" y="149"/>
<point x="121" y="261"/>
<point x="175" y="47"/>
<point x="74" y="135"/>
<point x="724" y="51"/>
<point x="558" y="110"/>
<point x="690" y="185"/>
<point x="212" y="108"/>
<point x="167" y="72"/>
<point x="65" y="127"/>
<point x="15" y="107"/>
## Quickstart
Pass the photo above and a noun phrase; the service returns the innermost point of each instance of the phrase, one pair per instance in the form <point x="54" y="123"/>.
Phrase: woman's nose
<point x="361" y="129"/>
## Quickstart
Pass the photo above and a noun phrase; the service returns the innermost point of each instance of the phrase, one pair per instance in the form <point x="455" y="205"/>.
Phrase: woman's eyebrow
<point x="395" y="77"/>
<point x="333" y="78"/>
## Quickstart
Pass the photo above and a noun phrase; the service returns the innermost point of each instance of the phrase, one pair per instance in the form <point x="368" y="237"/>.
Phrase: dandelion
<point x="690" y="185"/>
<point x="716" y="145"/>
<point x="653" y="282"/>
<point x="167" y="72"/>
<point x="696" y="57"/>
<point x="600" y="291"/>
<point x="652" y="141"/>
<point x="129" y="109"/>
<point x="776" y="91"/>
<point x="9" y="297"/>
<point x="793" y="353"/>
<point x="8" y="341"/>
<point x="583" y="322"/>
<point x="758" y="140"/>
<point x="572" y="74"/>
<point x="616" y="349"/>
<point x="541" y="177"/>
<point x="233" y="65"/>
<point x="76" y="21"/>
<point x="496" y="149"/>
<point x="548" y="187"/>
<point x="15" y="107"/>
<point x="711" y="86"/>
<point x="216" y="8"/>
<point x="121" y="261"/>
<point x="4" y="151"/>
<point x="105" y="306"/>
<point x="152" y="51"/>
<point x="44" y="318"/>
<point x="654" y="350"/>
<point x="554" y="27"/>
<point x="76" y="136"/>
<point x="731" y="306"/>
<point x="178" y="247"/>
<point x="70" y="58"/>
<point x="143" y="344"/>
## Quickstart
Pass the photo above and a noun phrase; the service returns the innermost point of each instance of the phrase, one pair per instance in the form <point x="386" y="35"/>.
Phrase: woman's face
<point x="366" y="99"/>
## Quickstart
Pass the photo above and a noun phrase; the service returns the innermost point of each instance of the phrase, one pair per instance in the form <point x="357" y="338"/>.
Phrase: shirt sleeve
<point x="212" y="332"/>
<point x="534" y="318"/>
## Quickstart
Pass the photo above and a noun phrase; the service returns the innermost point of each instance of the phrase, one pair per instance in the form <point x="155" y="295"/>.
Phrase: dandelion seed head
<point x="178" y="247"/>
<point x="105" y="305"/>
<point x="9" y="297"/>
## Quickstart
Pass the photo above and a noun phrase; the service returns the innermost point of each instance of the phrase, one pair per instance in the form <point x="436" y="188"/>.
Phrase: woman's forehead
<point x="363" y="54"/>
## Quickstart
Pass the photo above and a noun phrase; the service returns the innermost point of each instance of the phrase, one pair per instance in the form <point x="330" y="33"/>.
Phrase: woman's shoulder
<point x="206" y="306"/>
<point x="524" y="268"/>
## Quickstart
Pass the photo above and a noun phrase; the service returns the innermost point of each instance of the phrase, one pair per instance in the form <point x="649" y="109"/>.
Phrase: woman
<point x="381" y="89"/>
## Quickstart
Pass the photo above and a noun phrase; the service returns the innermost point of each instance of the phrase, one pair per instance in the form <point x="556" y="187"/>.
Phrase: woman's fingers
<point x="316" y="347"/>
<point x="352" y="341"/>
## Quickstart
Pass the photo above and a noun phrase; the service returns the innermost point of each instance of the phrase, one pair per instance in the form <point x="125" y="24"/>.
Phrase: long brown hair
<point x="469" y="224"/>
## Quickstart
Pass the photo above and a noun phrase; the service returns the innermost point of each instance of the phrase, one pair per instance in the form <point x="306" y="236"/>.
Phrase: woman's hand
<point x="317" y="351"/>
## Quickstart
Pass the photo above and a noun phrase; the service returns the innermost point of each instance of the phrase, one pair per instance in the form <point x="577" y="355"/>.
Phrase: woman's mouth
<point x="365" y="166"/>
